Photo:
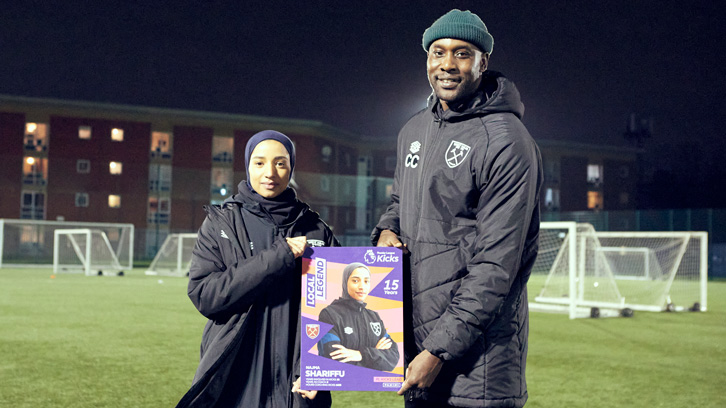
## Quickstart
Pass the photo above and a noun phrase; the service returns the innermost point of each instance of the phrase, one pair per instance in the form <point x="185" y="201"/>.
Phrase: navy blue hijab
<point x="269" y="135"/>
<point x="284" y="208"/>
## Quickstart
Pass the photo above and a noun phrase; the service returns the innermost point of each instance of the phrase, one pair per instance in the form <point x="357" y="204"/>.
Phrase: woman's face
<point x="269" y="168"/>
<point x="359" y="284"/>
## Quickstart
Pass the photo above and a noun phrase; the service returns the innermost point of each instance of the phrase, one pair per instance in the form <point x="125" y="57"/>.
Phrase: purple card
<point x="352" y="319"/>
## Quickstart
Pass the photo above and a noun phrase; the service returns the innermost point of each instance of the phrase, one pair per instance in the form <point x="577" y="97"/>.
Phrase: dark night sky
<point x="581" y="66"/>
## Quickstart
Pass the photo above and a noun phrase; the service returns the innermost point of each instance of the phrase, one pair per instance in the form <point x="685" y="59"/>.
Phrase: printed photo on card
<point x="352" y="319"/>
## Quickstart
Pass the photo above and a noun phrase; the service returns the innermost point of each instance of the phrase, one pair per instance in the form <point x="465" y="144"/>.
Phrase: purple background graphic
<point x="353" y="378"/>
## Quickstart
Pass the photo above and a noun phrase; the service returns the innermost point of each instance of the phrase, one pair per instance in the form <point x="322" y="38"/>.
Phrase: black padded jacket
<point x="465" y="201"/>
<point x="245" y="279"/>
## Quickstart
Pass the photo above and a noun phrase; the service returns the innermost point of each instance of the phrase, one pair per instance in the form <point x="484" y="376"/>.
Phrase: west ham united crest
<point x="456" y="153"/>
<point x="312" y="330"/>
<point x="376" y="327"/>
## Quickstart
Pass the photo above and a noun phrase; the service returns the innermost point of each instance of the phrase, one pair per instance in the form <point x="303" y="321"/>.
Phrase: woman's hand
<point x="384" y="343"/>
<point x="297" y="245"/>
<point x="303" y="393"/>
<point x="345" y="355"/>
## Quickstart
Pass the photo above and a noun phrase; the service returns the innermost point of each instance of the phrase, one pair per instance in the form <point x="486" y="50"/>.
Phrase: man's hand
<point x="344" y="355"/>
<point x="303" y="393"/>
<point x="422" y="371"/>
<point x="297" y="245"/>
<point x="388" y="238"/>
<point x="384" y="343"/>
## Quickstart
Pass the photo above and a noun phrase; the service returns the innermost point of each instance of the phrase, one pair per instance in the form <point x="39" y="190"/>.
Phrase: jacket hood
<point x="496" y="94"/>
<point x="283" y="210"/>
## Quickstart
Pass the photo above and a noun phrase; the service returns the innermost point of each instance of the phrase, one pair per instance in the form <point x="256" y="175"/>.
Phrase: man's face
<point x="269" y="168"/>
<point x="454" y="68"/>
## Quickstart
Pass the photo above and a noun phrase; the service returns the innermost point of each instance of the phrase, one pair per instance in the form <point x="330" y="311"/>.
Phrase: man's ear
<point x="484" y="62"/>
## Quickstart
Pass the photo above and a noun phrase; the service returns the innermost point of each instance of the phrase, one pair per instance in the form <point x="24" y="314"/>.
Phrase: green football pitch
<point x="133" y="341"/>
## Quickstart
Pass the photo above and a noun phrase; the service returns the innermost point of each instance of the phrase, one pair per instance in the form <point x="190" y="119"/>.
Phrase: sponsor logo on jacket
<point x="413" y="158"/>
<point x="316" y="242"/>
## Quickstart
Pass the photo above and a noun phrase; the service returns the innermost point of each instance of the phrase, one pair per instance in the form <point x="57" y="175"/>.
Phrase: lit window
<point x="115" y="167"/>
<point x="552" y="199"/>
<point x="117" y="135"/>
<point x="594" y="200"/>
<point x="114" y="201"/>
<point x="594" y="174"/>
<point x="160" y="144"/>
<point x="35" y="171"/>
<point x="222" y="149"/>
<point x="83" y="166"/>
<point x="81" y="199"/>
<point x="84" y="132"/>
<point x="36" y="136"/>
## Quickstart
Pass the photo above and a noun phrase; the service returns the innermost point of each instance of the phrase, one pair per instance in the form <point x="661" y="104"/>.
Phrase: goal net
<point x="30" y="243"/>
<point x="649" y="271"/>
<point x="174" y="256"/>
<point x="84" y="250"/>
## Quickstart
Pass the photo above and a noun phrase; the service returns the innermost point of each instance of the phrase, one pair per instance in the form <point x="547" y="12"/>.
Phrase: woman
<point x="245" y="278"/>
<point x="358" y="335"/>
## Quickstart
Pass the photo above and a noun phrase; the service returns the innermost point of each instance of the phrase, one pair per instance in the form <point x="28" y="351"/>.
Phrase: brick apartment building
<point x="155" y="168"/>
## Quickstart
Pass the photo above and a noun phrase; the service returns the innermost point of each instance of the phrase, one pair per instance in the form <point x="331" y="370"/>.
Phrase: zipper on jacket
<point x="430" y="144"/>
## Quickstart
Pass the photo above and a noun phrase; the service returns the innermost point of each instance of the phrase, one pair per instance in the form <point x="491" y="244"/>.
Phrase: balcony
<point x="34" y="179"/>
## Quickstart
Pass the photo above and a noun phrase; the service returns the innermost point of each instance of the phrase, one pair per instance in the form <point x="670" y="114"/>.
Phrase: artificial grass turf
<point x="133" y="341"/>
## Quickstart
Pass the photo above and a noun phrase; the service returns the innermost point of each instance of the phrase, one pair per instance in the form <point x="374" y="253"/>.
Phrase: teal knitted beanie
<point x="460" y="25"/>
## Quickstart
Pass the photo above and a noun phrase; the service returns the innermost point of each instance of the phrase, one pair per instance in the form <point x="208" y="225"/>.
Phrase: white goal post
<point x="174" y="256"/>
<point x="29" y="243"/>
<point x="614" y="271"/>
<point x="84" y="250"/>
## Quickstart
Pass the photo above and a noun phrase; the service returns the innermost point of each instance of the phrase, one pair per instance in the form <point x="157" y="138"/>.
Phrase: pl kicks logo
<point x="369" y="257"/>
<point x="456" y="153"/>
<point x="312" y="330"/>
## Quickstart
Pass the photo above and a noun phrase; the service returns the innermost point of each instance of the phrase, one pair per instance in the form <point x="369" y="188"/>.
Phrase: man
<point x="465" y="205"/>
